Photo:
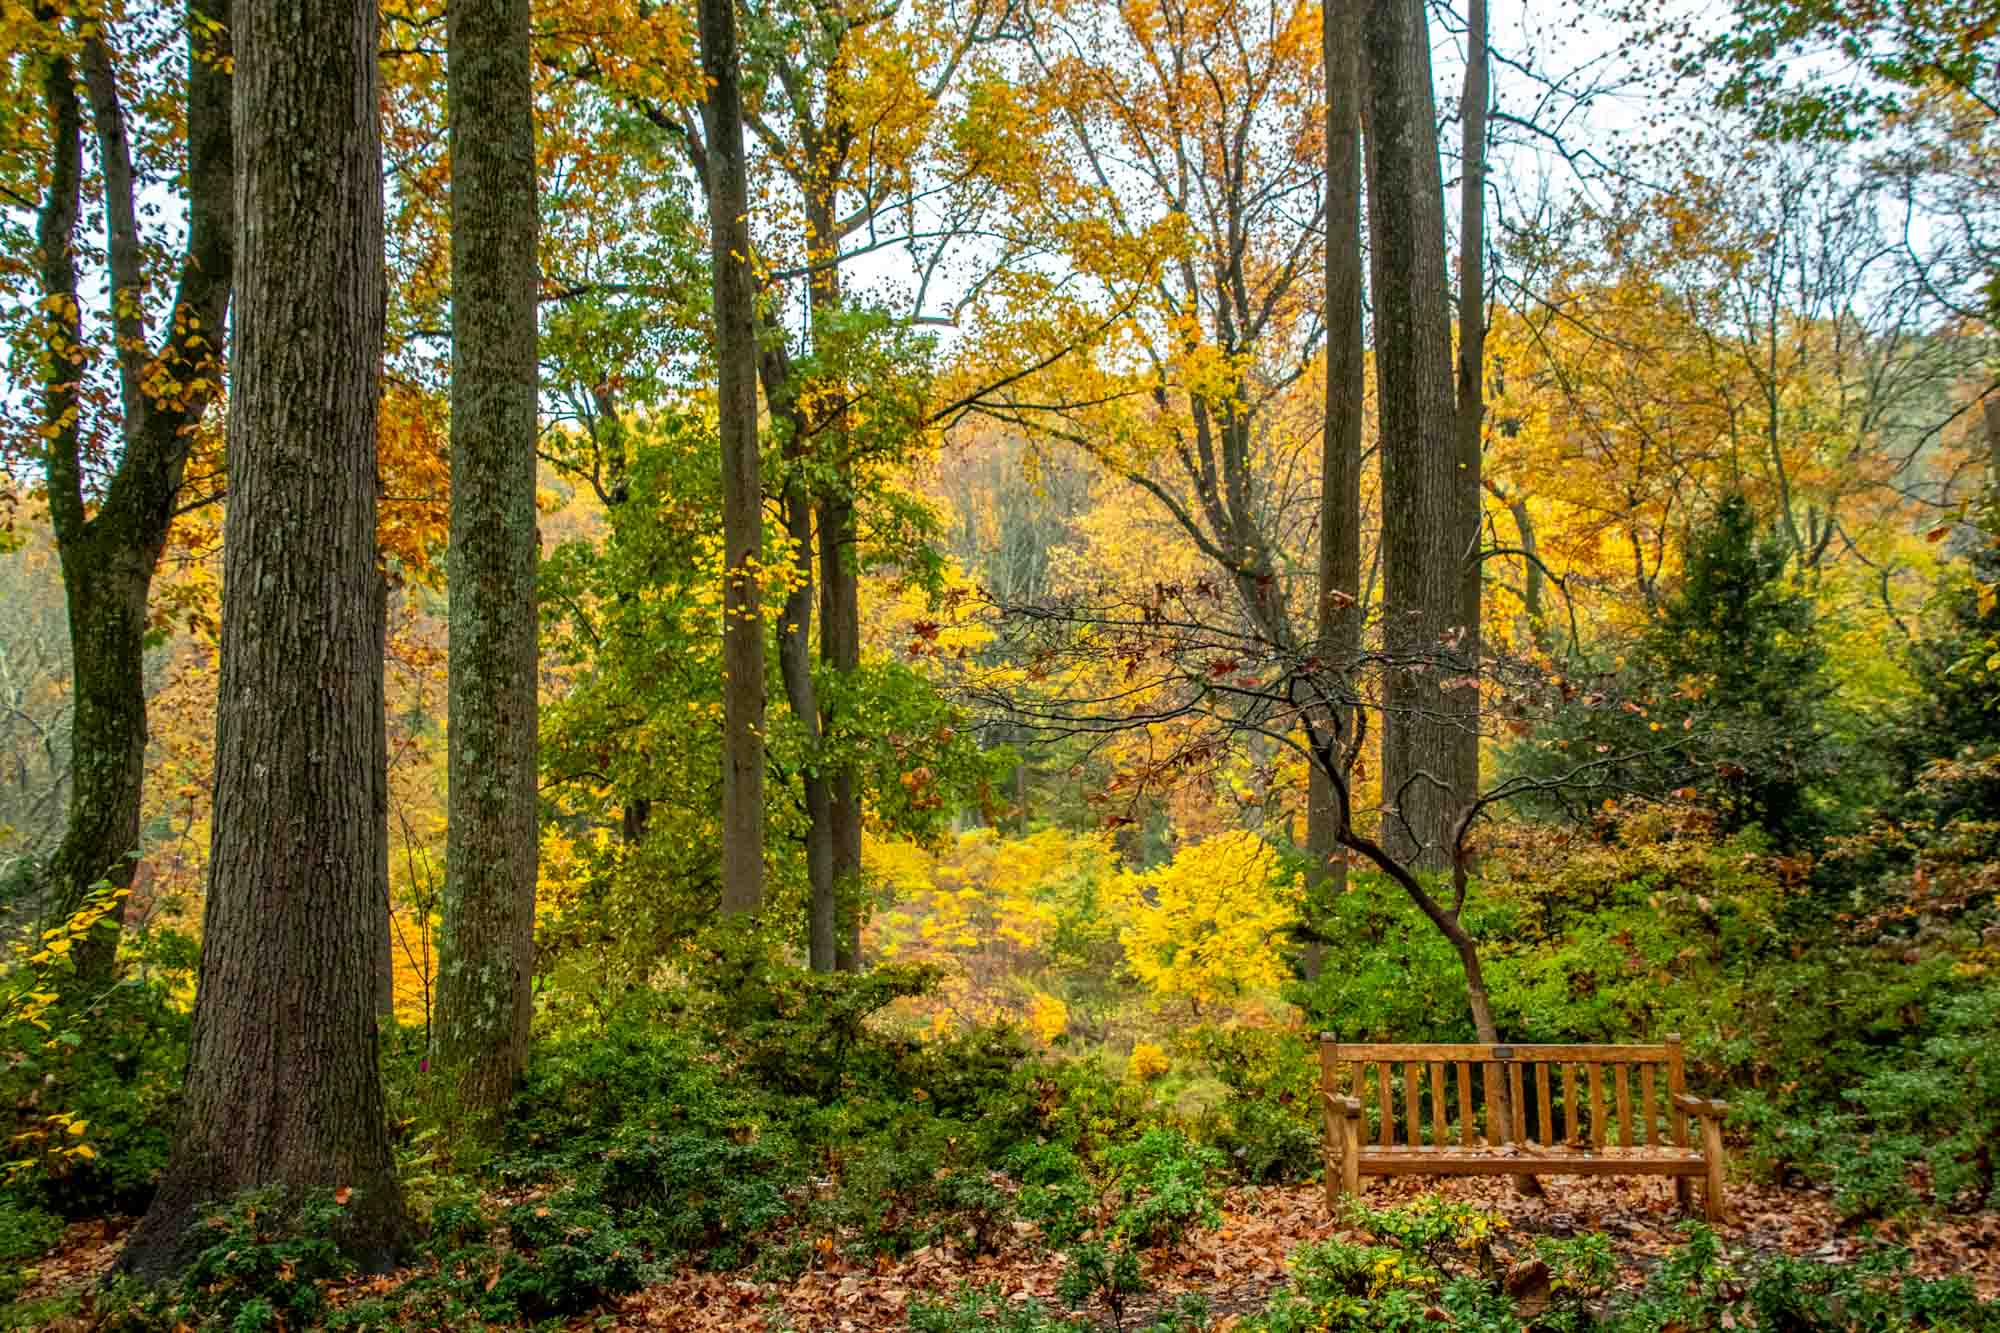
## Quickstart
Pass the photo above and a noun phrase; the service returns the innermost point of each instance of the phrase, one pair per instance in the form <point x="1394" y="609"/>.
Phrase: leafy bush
<point x="1436" y="1268"/>
<point x="1268" y="1125"/>
<point x="1055" y="1190"/>
<point x="266" y="1264"/>
<point x="692" y="1193"/>
<point x="89" y="1083"/>
<point x="566" y="1258"/>
<point x="1164" y="1187"/>
<point x="26" y="1234"/>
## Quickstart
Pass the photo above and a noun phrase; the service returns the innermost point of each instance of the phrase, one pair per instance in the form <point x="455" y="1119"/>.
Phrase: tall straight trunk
<point x="282" y="1086"/>
<point x="486" y="949"/>
<point x="840" y="608"/>
<point x="108" y="557"/>
<point x="385" y="911"/>
<point x="1338" y="639"/>
<point x="795" y="667"/>
<point x="840" y="648"/>
<point x="742" y="501"/>
<point x="1471" y="381"/>
<point x="1422" y="551"/>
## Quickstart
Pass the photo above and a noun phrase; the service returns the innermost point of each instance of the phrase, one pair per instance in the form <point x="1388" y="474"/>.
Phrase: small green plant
<point x="987" y="1310"/>
<point x="1106" y="1271"/>
<point x="1055" y="1192"/>
<point x="26" y="1234"/>
<point x="1164" y="1187"/>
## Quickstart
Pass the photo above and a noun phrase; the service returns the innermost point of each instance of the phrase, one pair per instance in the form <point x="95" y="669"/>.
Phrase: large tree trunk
<point x="108" y="557"/>
<point x="487" y="948"/>
<point x="282" y="1085"/>
<point x="105" y="582"/>
<point x="1422" y="549"/>
<point x="742" y="501"/>
<point x="1339" y="629"/>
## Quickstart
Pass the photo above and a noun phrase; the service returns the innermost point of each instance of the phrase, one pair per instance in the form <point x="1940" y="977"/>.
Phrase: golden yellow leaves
<point x="1208" y="925"/>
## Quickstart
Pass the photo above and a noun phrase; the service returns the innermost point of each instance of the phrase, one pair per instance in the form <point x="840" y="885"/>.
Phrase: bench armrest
<point x="1347" y="1106"/>
<point x="1706" y="1107"/>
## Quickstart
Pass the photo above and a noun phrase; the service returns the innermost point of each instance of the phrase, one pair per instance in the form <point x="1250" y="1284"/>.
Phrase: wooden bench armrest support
<point x="1708" y="1108"/>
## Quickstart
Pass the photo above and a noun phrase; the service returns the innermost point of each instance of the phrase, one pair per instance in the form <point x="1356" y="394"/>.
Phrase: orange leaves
<point x="413" y="454"/>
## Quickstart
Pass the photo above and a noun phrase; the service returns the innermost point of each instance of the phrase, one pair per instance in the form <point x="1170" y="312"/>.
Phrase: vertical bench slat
<point x="1465" y="1125"/>
<point x="1545" y="1111"/>
<point x="1596" y="1105"/>
<point x="1623" y="1076"/>
<point x="1438" y="1113"/>
<point x="1571" y="1126"/>
<point x="1489" y="1083"/>
<point x="1413" y="1089"/>
<point x="1676" y="1083"/>
<point x="1386" y="1136"/>
<point x="1646" y="1104"/>
<point x="1519" y="1100"/>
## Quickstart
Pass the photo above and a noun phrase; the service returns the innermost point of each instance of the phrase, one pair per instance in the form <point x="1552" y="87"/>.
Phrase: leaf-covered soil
<point x="1236" y="1267"/>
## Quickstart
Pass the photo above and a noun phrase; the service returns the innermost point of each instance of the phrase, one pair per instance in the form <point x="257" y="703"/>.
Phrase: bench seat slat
<point x="1453" y="1162"/>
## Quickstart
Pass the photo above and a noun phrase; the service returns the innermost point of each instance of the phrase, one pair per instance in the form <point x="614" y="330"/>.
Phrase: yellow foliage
<point x="1048" y="1017"/>
<point x="1206" y="926"/>
<point x="1148" y="1062"/>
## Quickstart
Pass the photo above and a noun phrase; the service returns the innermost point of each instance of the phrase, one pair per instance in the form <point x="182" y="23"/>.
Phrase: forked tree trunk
<point x="108" y="556"/>
<point x="1339" y="612"/>
<point x="487" y="947"/>
<point x="742" y="501"/>
<point x="282" y="1085"/>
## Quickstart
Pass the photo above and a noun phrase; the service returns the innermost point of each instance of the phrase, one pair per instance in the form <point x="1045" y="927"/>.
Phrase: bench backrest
<point x="1548" y="1095"/>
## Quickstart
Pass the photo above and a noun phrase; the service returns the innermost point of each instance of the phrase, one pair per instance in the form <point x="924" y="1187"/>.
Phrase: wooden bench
<point x="1549" y="1110"/>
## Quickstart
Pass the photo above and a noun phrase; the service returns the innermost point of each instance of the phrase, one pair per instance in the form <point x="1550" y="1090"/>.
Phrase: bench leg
<point x="1684" y="1195"/>
<point x="1714" y="1205"/>
<point x="1350" y="1156"/>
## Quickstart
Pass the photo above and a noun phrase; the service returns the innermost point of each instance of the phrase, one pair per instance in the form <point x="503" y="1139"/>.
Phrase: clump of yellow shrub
<point x="1210" y="924"/>
<point x="1048" y="1017"/>
<point x="1148" y="1062"/>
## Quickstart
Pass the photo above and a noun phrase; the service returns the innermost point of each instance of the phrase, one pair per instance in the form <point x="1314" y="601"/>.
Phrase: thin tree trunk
<point x="486" y="950"/>
<point x="1339" y="629"/>
<point x="795" y="658"/>
<point x="108" y="556"/>
<point x="1471" y="393"/>
<point x="840" y="619"/>
<point x="742" y="501"/>
<point x="282" y="1085"/>
<point x="1422" y="554"/>
<point x="385" y="916"/>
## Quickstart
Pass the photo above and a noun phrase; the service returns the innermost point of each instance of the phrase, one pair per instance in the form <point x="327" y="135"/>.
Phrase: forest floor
<point x="1236" y="1267"/>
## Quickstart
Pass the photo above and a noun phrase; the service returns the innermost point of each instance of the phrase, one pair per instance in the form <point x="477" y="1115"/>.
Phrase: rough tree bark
<point x="1339" y="615"/>
<point x="742" y="517"/>
<point x="282" y="1085"/>
<point x="1422" y="554"/>
<point x="108" y="557"/>
<point x="1471" y="382"/>
<point x="487" y="945"/>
